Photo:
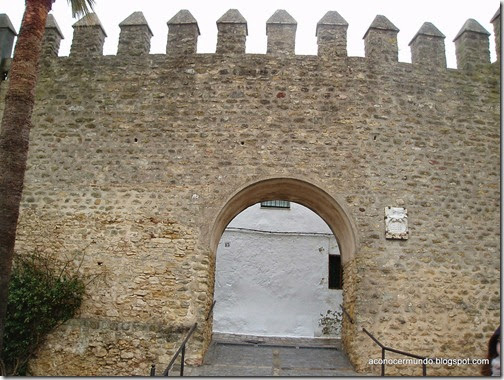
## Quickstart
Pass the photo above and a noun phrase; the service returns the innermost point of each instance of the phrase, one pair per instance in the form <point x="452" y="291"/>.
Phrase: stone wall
<point x="134" y="161"/>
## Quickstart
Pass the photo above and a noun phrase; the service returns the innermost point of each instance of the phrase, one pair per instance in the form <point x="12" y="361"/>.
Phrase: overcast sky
<point x="447" y="15"/>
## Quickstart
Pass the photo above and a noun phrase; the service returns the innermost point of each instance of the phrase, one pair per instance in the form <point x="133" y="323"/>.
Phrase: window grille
<point x="276" y="204"/>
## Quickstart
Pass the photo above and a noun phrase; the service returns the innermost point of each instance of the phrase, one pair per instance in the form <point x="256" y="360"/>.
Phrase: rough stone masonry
<point x="138" y="161"/>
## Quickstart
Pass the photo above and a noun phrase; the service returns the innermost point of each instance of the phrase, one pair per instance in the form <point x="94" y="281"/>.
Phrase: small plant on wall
<point x="43" y="293"/>
<point x="331" y="322"/>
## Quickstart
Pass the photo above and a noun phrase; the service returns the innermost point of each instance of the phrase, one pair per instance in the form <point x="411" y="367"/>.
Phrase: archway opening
<point x="278" y="274"/>
<point x="331" y="210"/>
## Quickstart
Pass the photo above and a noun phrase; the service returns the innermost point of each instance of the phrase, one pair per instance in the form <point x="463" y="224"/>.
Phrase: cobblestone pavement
<point x="260" y="356"/>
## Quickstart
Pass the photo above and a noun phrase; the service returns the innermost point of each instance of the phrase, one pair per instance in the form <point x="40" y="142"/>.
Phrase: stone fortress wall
<point x="138" y="161"/>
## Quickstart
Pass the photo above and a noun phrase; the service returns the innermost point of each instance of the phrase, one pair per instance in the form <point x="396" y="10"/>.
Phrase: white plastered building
<point x="277" y="274"/>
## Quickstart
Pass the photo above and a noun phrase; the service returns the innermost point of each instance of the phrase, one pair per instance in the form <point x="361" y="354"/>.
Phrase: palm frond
<point x="81" y="7"/>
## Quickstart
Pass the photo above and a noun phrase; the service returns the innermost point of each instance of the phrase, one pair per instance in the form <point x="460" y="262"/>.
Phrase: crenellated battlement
<point x="380" y="40"/>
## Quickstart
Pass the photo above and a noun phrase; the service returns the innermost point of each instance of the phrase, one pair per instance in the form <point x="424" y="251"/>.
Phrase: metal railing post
<point x="210" y="311"/>
<point x="383" y="361"/>
<point x="153" y="370"/>
<point x="182" y="362"/>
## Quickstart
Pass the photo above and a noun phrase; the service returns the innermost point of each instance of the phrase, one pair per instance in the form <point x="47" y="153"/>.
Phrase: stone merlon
<point x="183" y="32"/>
<point x="232" y="33"/>
<point x="427" y="46"/>
<point x="380" y="40"/>
<point x="135" y="36"/>
<point x="472" y="45"/>
<point x="281" y="32"/>
<point x="331" y="35"/>
<point x="89" y="37"/>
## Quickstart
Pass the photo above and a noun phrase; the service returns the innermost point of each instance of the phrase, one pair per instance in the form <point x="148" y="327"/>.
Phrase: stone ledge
<point x="277" y="341"/>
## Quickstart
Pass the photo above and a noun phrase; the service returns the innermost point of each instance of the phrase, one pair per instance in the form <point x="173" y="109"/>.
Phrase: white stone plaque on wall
<point x="396" y="223"/>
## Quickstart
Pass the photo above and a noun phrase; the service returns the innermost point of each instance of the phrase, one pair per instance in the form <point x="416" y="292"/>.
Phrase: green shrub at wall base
<point x="42" y="295"/>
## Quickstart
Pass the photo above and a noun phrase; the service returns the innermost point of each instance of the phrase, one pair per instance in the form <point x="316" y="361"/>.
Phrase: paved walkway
<point x="237" y="356"/>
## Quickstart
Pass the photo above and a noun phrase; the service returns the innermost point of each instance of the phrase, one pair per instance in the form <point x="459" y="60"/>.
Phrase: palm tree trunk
<point x="14" y="135"/>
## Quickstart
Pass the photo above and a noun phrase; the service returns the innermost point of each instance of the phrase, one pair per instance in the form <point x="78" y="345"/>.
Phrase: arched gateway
<point x="296" y="191"/>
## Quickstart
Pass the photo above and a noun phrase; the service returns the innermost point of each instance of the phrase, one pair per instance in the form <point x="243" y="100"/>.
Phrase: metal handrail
<point x="181" y="349"/>
<point x="346" y="313"/>
<point x="385" y="348"/>
<point x="210" y="311"/>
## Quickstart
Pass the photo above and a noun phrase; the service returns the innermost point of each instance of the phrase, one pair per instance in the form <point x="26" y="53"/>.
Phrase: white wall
<point x="296" y="219"/>
<point x="271" y="273"/>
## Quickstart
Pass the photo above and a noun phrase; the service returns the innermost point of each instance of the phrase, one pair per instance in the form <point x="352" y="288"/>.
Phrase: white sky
<point x="447" y="15"/>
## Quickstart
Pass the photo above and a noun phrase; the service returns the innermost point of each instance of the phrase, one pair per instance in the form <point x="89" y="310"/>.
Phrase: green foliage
<point x="81" y="7"/>
<point x="42" y="295"/>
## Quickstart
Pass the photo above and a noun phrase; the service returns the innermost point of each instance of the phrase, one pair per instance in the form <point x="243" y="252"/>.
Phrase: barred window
<point x="335" y="272"/>
<point x="276" y="204"/>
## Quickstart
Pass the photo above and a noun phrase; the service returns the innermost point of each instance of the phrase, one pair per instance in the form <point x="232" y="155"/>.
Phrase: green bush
<point x="42" y="295"/>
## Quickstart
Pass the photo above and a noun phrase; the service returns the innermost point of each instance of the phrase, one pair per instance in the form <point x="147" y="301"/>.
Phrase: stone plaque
<point x="396" y="223"/>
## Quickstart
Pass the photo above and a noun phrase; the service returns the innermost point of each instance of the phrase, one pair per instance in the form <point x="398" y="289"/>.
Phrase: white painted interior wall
<point x="272" y="273"/>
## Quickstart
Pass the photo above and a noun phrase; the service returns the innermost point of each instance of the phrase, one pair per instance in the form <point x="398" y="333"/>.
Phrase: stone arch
<point x="332" y="211"/>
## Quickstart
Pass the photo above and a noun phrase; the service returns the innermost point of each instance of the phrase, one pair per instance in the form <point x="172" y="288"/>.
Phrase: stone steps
<point x="239" y="355"/>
